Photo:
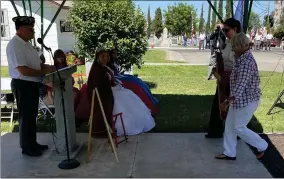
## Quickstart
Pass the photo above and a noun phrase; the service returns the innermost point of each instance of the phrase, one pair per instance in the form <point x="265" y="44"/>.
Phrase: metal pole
<point x="55" y="16"/>
<point x="249" y="11"/>
<point x="15" y="8"/>
<point x="41" y="22"/>
<point x="232" y="8"/>
<point x="24" y="6"/>
<point x="30" y="7"/>
<point x="245" y="20"/>
<point x="215" y="11"/>
<point x="31" y="14"/>
<point x="268" y="16"/>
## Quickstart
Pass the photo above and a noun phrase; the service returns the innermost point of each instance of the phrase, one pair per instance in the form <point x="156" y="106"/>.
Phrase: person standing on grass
<point x="26" y="69"/>
<point x="201" y="41"/>
<point x="243" y="101"/>
<point x="215" y="126"/>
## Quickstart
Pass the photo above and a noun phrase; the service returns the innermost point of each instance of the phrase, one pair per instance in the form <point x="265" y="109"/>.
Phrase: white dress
<point x="137" y="117"/>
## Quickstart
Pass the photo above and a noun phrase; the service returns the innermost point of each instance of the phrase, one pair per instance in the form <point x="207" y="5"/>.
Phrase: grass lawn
<point x="157" y="56"/>
<point x="186" y="96"/>
<point x="185" y="100"/>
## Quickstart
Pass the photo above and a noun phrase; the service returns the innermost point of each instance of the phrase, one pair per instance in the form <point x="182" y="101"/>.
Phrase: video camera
<point x="218" y="37"/>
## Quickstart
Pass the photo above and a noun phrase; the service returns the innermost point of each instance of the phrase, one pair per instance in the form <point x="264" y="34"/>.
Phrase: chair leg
<point x="114" y="132"/>
<point x="121" y="119"/>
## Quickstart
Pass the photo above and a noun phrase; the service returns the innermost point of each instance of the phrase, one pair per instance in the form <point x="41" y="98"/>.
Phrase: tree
<point x="254" y="21"/>
<point x="158" y="23"/>
<point x="220" y="10"/>
<point x="109" y="24"/>
<point x="228" y="9"/>
<point x="149" y="23"/>
<point x="268" y="22"/>
<point x="279" y="31"/>
<point x="201" y="21"/>
<point x="207" y="30"/>
<point x="213" y="22"/>
<point x="179" y="19"/>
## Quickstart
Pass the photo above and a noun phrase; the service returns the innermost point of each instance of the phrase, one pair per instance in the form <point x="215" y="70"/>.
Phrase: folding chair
<point x="114" y="119"/>
<point x="8" y="99"/>
<point x="8" y="102"/>
<point x="46" y="109"/>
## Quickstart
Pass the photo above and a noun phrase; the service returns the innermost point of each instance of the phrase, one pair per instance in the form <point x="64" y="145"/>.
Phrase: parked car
<point x="273" y="43"/>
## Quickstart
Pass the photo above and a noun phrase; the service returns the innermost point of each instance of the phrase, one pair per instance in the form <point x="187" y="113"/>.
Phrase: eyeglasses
<point x="226" y="30"/>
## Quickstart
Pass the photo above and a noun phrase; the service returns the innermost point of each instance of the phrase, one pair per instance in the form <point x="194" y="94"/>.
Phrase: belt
<point x="25" y="81"/>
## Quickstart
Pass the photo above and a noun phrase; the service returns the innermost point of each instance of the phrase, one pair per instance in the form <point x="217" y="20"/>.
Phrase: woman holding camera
<point x="230" y="28"/>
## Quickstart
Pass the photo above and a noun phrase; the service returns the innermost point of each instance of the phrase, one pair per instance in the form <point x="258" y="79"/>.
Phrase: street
<point x="266" y="60"/>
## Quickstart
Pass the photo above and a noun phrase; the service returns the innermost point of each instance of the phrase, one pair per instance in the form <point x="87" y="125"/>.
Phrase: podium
<point x="60" y="142"/>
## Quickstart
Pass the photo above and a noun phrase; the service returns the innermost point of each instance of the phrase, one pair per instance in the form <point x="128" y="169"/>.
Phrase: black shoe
<point x="32" y="153"/>
<point x="213" y="136"/>
<point x="41" y="147"/>
<point x="224" y="157"/>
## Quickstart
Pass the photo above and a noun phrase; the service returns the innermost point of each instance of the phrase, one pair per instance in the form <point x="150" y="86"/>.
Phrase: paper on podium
<point x="65" y="73"/>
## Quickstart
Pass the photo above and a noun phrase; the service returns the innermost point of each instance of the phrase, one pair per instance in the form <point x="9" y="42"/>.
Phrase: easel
<point x="96" y="92"/>
<point x="276" y="101"/>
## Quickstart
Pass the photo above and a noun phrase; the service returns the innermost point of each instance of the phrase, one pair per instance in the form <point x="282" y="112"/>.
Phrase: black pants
<point x="216" y="126"/>
<point x="27" y="96"/>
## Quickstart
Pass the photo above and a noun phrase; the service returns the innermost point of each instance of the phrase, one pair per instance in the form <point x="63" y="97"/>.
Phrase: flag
<point x="252" y="32"/>
<point x="239" y="15"/>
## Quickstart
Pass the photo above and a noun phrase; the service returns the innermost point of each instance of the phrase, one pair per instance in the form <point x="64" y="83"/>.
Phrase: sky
<point x="259" y="7"/>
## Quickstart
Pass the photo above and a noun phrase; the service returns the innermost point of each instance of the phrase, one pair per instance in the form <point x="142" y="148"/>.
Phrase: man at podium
<point x="26" y="70"/>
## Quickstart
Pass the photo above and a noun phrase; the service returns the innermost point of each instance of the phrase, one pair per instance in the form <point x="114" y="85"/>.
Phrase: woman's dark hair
<point x="99" y="52"/>
<point x="57" y="54"/>
<point x="110" y="54"/>
<point x="233" y="23"/>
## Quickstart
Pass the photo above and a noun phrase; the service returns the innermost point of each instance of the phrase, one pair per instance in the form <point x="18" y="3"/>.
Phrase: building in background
<point x="59" y="36"/>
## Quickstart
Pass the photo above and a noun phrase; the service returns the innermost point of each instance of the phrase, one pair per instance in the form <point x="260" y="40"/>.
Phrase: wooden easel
<point x="96" y="92"/>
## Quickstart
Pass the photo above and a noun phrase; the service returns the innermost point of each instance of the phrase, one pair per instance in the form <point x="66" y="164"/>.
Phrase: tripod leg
<point x="107" y="126"/>
<point x="91" y="126"/>
<point x="275" y="102"/>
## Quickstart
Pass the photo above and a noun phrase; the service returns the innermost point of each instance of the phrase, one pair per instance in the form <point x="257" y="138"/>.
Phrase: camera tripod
<point x="278" y="99"/>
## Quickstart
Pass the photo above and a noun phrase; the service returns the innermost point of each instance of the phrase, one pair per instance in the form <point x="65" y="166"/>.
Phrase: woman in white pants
<point x="243" y="101"/>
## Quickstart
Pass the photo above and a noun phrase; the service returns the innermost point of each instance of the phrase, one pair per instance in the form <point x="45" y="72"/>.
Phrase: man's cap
<point x="24" y="21"/>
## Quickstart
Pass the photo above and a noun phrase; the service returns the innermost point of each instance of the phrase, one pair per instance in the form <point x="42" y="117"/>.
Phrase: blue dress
<point x="138" y="81"/>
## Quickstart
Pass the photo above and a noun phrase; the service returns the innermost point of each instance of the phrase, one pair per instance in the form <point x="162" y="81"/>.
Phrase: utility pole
<point x="268" y="16"/>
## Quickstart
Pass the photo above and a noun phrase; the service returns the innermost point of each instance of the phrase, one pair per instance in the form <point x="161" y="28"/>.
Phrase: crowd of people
<point x="127" y="94"/>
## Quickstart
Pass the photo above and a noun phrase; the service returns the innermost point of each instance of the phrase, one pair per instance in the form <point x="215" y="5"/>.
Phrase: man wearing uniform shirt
<point x="201" y="41"/>
<point x="26" y="70"/>
<point x="257" y="42"/>
<point x="269" y="37"/>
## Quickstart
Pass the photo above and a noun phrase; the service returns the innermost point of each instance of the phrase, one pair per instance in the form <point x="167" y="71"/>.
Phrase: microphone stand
<point x="68" y="163"/>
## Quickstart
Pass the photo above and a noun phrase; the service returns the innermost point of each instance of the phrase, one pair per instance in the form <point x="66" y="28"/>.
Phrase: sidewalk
<point x="173" y="64"/>
<point x="155" y="155"/>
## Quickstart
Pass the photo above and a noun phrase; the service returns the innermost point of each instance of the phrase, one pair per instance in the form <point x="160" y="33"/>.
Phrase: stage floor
<point x="147" y="155"/>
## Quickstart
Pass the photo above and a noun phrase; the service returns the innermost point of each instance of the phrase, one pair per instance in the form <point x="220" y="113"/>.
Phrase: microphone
<point x="40" y="41"/>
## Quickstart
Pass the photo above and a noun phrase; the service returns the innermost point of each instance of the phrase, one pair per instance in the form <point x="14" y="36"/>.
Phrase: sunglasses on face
<point x="226" y="30"/>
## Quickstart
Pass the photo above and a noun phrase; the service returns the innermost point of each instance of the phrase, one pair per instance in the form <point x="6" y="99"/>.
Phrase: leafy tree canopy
<point x="109" y="24"/>
<point x="179" y="18"/>
<point x="254" y="21"/>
